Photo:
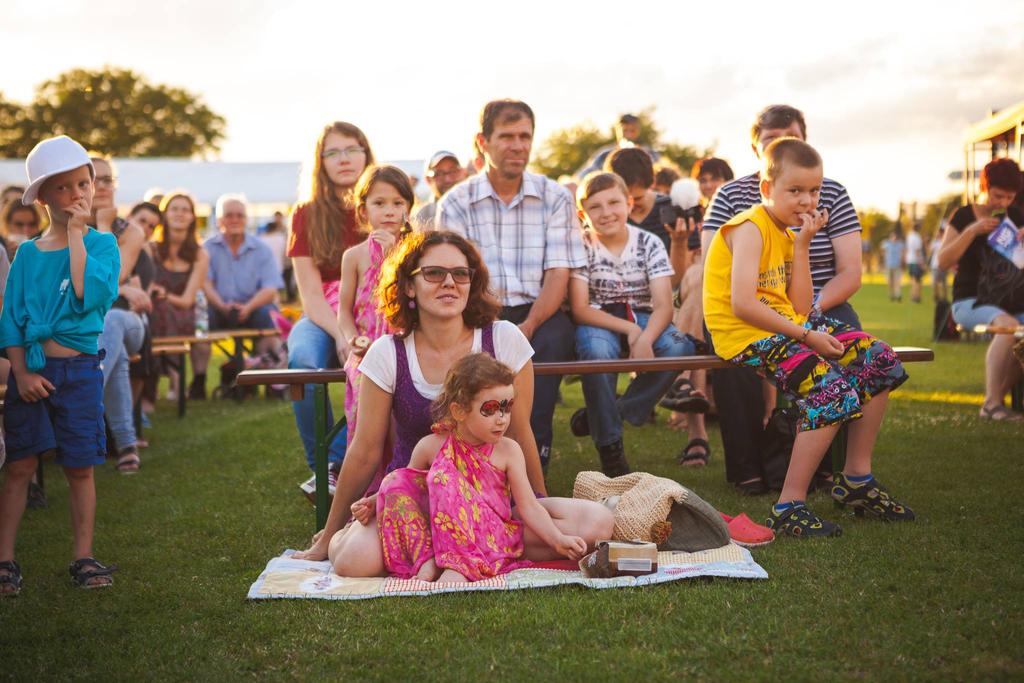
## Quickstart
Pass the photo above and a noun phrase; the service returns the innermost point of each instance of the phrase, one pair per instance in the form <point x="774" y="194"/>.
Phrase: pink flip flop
<point x="744" y="531"/>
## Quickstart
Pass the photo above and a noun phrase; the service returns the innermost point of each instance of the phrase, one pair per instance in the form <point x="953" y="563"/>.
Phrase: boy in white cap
<point x="60" y="287"/>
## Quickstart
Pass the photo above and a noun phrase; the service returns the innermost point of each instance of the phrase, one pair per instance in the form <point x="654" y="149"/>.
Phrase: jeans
<point x="259" y="319"/>
<point x="604" y="413"/>
<point x="122" y="337"/>
<point x="309" y="347"/>
<point x="551" y="342"/>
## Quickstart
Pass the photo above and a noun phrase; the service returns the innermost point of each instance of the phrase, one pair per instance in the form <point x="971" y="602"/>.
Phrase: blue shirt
<point x="893" y="253"/>
<point x="237" y="277"/>
<point x="40" y="301"/>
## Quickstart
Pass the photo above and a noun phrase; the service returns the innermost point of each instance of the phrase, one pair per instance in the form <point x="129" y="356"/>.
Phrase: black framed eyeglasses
<point x="461" y="274"/>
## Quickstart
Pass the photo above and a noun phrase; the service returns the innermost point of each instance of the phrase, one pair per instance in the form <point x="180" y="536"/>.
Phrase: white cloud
<point x="887" y="87"/>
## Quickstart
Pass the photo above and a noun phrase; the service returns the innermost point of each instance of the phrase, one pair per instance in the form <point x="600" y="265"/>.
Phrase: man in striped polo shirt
<point x="835" y="256"/>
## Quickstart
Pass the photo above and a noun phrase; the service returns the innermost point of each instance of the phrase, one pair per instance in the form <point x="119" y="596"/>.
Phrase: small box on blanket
<point x="620" y="558"/>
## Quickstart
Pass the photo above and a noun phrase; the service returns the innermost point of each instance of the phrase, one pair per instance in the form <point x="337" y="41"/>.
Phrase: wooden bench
<point x="324" y="434"/>
<point x="177" y="347"/>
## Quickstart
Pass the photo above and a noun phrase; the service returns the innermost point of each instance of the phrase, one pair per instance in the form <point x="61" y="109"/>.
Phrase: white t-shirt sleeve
<point x="380" y="363"/>
<point x="511" y="346"/>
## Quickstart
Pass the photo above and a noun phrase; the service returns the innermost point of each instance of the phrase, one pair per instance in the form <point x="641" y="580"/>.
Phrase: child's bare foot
<point x="452" y="576"/>
<point x="428" y="571"/>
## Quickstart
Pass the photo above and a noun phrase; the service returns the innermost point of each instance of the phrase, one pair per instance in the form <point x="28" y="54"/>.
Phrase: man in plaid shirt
<point x="528" y="234"/>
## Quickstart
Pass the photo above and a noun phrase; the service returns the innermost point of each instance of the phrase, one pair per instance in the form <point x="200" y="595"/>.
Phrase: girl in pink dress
<point x="384" y="198"/>
<point x="448" y="516"/>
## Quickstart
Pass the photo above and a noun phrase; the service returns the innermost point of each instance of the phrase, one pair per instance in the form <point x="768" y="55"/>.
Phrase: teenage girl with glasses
<point x="323" y="227"/>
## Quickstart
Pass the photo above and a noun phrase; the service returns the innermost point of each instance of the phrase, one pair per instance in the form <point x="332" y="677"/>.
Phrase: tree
<point x="114" y="111"/>
<point x="567" y="149"/>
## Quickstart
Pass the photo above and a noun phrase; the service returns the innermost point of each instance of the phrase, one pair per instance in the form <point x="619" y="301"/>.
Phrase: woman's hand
<point x="572" y="547"/>
<point x="137" y="299"/>
<point x="158" y="291"/>
<point x="983" y="226"/>
<point x="105" y="218"/>
<point x="824" y="344"/>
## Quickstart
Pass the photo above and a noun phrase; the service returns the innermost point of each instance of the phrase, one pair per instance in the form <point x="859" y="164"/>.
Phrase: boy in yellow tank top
<point x="758" y="308"/>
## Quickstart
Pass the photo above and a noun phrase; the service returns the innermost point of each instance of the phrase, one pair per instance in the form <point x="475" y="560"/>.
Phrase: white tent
<point x="269" y="186"/>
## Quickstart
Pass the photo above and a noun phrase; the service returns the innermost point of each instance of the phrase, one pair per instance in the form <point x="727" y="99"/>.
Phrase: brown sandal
<point x="128" y="461"/>
<point x="1000" y="414"/>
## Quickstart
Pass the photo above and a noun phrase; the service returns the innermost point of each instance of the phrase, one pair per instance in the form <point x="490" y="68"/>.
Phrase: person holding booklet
<point x="988" y="288"/>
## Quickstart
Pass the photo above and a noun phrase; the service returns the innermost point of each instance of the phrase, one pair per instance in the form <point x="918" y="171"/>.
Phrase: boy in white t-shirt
<point x="621" y="301"/>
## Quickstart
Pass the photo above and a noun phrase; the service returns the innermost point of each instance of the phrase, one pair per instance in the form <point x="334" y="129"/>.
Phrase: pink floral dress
<point x="369" y="323"/>
<point x="470" y="528"/>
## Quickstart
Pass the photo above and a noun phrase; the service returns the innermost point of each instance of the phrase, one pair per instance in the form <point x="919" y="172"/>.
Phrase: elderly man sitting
<point x="242" y="282"/>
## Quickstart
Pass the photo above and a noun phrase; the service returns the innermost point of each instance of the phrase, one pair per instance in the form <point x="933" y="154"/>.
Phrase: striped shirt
<point x="537" y="231"/>
<point x="743" y="193"/>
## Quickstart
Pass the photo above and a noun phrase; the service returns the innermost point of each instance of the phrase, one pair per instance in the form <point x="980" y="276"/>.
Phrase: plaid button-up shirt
<point x="537" y="231"/>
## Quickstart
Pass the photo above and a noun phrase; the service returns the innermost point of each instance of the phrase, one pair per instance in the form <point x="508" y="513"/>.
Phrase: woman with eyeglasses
<point x="323" y="227"/>
<point x="19" y="223"/>
<point x="435" y="287"/>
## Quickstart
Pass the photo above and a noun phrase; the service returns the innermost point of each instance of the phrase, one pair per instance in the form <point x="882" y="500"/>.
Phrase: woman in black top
<point x="988" y="288"/>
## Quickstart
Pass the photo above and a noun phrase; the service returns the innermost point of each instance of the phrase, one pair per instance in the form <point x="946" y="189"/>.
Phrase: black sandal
<point x="689" y="458"/>
<point x="683" y="398"/>
<point x="128" y="461"/>
<point x="80" y="576"/>
<point x="10" y="577"/>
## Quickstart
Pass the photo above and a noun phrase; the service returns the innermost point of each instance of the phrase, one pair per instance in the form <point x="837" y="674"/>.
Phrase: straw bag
<point x="656" y="509"/>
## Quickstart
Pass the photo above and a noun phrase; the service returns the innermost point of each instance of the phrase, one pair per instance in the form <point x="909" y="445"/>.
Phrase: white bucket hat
<point x="50" y="157"/>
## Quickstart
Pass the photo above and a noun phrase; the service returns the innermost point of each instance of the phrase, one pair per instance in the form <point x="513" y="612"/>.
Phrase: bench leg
<point x="320" y="453"/>
<point x="323" y="437"/>
<point x="182" y="384"/>
<point x="1017" y="396"/>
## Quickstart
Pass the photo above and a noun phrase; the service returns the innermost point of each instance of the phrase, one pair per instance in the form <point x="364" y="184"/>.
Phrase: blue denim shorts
<point x="970" y="316"/>
<point x="69" y="420"/>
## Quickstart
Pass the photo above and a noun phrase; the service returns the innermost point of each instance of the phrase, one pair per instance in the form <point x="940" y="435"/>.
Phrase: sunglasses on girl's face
<point x="489" y="408"/>
<point x="460" y="275"/>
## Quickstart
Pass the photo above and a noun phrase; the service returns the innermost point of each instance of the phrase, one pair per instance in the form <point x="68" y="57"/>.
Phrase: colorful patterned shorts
<point x="827" y="391"/>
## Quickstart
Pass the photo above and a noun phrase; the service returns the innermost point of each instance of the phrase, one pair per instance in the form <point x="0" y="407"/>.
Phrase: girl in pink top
<point x="384" y="199"/>
<point x="453" y="522"/>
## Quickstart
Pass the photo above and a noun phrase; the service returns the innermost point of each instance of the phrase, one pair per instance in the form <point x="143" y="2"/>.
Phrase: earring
<point x="412" y="303"/>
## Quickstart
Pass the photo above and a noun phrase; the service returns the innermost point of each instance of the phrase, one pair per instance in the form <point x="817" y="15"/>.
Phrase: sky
<point x="887" y="87"/>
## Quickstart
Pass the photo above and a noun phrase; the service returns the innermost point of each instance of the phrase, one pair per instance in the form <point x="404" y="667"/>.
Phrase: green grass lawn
<point x="940" y="598"/>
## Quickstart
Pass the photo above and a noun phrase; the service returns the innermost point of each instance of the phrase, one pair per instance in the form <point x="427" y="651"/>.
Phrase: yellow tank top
<point x="730" y="334"/>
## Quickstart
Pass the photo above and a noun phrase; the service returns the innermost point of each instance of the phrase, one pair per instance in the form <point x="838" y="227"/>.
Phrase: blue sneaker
<point x="800" y="522"/>
<point x="869" y="498"/>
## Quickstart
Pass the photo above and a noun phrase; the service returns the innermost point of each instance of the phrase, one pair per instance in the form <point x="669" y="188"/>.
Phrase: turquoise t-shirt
<point x="40" y="301"/>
